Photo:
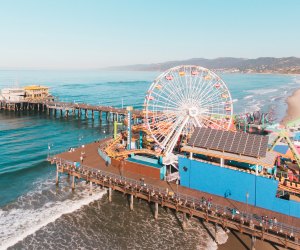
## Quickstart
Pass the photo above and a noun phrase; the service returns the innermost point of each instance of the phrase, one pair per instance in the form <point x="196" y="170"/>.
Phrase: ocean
<point x="35" y="214"/>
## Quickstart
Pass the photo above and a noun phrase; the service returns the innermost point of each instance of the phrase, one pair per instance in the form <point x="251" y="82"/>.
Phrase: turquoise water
<point x="26" y="179"/>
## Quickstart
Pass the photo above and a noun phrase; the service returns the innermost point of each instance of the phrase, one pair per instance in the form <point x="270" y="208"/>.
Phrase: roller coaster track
<point x="284" y="135"/>
<point x="111" y="150"/>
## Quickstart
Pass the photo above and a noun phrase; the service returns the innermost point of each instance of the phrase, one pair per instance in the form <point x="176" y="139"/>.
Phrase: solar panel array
<point x="240" y="143"/>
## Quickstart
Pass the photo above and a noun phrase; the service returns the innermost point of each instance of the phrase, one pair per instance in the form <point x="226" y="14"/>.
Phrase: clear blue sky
<point x="98" y="33"/>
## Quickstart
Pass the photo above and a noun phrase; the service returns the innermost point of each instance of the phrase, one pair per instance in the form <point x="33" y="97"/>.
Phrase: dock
<point x="66" y="109"/>
<point x="98" y="169"/>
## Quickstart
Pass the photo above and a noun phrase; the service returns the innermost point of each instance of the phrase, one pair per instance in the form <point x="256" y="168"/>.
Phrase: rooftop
<point x="35" y="87"/>
<point x="267" y="161"/>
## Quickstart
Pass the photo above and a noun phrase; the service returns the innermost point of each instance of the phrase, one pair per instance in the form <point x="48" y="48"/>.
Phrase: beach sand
<point x="293" y="111"/>
<point x="239" y="241"/>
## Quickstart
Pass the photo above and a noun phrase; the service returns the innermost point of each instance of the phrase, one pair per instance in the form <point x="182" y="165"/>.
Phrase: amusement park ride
<point x="179" y="100"/>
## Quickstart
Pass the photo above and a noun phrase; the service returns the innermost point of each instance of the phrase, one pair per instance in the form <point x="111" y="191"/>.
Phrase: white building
<point x="12" y="94"/>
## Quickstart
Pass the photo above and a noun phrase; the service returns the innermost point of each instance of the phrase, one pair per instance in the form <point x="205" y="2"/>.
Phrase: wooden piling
<point x="73" y="183"/>
<point x="131" y="202"/>
<point x="57" y="176"/>
<point x="91" y="188"/>
<point x="109" y="194"/>
<point x="184" y="221"/>
<point x="253" y="241"/>
<point x="216" y="233"/>
<point x="156" y="211"/>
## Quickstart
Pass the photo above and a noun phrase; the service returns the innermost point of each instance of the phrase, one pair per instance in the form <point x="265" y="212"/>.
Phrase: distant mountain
<point x="285" y="65"/>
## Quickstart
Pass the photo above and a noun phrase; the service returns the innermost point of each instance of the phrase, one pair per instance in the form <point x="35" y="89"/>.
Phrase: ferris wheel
<point x="182" y="98"/>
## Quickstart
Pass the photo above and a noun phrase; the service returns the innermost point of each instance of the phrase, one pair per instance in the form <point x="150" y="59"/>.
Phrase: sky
<point x="96" y="33"/>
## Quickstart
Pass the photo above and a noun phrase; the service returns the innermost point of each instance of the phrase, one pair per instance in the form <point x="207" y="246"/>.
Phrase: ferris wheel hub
<point x="193" y="112"/>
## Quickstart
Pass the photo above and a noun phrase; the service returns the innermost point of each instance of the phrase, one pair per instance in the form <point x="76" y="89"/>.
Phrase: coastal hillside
<point x="284" y="65"/>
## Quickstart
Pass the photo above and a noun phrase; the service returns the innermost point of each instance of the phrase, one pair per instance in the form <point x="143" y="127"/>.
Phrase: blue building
<point x="241" y="176"/>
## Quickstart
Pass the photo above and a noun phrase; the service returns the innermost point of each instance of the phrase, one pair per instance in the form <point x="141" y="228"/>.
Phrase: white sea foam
<point x="248" y="97"/>
<point x="235" y="100"/>
<point x="261" y="91"/>
<point x="17" y="224"/>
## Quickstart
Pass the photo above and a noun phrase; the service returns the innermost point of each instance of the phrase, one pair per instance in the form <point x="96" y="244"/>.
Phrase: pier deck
<point x="285" y="233"/>
<point x="69" y="108"/>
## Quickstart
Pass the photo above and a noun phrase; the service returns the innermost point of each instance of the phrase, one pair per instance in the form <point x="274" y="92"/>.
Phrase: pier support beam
<point x="73" y="183"/>
<point x="184" y="221"/>
<point x="91" y="188"/>
<point x="57" y="176"/>
<point x="216" y="233"/>
<point x="109" y="194"/>
<point x="93" y="114"/>
<point x="100" y="115"/>
<point x="156" y="211"/>
<point x="253" y="241"/>
<point x="61" y="112"/>
<point x="131" y="202"/>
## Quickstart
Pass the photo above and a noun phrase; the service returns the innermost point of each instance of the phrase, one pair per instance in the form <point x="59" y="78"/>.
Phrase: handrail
<point x="254" y="220"/>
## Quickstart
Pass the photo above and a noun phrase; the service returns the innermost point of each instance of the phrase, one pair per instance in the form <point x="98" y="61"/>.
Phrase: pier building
<point x="12" y="94"/>
<point x="36" y="92"/>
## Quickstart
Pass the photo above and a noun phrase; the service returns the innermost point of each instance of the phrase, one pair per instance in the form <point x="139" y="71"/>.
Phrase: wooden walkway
<point x="222" y="211"/>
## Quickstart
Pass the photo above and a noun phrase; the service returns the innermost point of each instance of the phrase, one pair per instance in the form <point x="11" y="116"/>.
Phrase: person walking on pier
<point x="81" y="159"/>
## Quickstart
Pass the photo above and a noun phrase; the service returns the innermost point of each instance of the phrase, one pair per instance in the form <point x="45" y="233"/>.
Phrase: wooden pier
<point x="100" y="170"/>
<point x="66" y="109"/>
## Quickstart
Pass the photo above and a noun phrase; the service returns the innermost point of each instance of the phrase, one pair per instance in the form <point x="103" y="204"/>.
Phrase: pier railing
<point x="252" y="221"/>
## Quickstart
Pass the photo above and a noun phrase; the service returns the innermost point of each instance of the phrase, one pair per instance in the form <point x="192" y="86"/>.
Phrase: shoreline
<point x="293" y="109"/>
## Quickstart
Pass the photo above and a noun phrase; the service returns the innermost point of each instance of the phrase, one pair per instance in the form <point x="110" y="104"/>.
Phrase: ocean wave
<point x="261" y="91"/>
<point x="248" y="97"/>
<point x="18" y="223"/>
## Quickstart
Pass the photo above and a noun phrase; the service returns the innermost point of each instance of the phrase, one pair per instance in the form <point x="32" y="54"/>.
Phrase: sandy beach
<point x="237" y="240"/>
<point x="293" y="111"/>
